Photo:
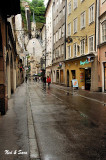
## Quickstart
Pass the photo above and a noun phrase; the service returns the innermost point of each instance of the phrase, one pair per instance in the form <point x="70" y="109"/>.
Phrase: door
<point x="57" y="76"/>
<point x="68" y="79"/>
<point x="61" y="76"/>
<point x="87" y="79"/>
<point x="104" y="76"/>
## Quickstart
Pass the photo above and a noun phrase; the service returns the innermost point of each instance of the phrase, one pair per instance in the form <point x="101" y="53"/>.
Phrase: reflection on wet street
<point x="68" y="126"/>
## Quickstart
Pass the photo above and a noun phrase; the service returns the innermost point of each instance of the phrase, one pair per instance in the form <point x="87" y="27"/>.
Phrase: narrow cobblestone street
<point x="68" y="126"/>
<point x="13" y="128"/>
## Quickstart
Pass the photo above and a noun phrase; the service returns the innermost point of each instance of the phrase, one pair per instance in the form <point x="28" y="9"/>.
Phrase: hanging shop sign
<point x="75" y="83"/>
<point x="83" y="63"/>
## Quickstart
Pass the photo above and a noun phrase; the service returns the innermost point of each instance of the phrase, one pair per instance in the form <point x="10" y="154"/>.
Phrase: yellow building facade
<point x="81" y="54"/>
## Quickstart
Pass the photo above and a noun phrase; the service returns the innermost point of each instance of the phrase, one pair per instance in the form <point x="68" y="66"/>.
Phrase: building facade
<point x="102" y="46"/>
<point x="7" y="52"/>
<point x="58" y="65"/>
<point x="81" y="51"/>
<point x="48" y="38"/>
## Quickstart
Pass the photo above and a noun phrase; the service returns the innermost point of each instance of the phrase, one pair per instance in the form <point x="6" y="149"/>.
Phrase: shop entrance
<point x="57" y="76"/>
<point x="61" y="76"/>
<point x="68" y="78"/>
<point x="105" y="77"/>
<point x="87" y="79"/>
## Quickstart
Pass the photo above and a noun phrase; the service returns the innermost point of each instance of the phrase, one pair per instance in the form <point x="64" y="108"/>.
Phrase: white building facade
<point x="49" y="39"/>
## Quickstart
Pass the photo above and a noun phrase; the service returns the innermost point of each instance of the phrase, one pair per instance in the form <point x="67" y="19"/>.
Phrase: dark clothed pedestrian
<point x="26" y="79"/>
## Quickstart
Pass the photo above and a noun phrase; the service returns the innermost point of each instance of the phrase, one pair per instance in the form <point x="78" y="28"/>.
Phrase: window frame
<point x="69" y="52"/>
<point x="75" y="6"/>
<point x="69" y="29"/>
<point x="75" y="28"/>
<point x="92" y="36"/>
<point x="69" y="8"/>
<point x="91" y="19"/>
<point x="74" y="54"/>
<point x="104" y="23"/>
<point x="82" y="47"/>
<point x="83" y="15"/>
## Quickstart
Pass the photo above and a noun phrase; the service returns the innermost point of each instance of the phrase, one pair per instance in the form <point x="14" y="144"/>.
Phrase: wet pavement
<point x="69" y="126"/>
<point x="14" y="143"/>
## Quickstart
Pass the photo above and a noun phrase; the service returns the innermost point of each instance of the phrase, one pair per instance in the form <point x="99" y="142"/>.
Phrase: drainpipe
<point x="65" y="29"/>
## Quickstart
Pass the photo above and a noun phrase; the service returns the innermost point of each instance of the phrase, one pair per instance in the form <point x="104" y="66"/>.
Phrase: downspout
<point x="65" y="29"/>
<point x="98" y="29"/>
<point x="96" y="25"/>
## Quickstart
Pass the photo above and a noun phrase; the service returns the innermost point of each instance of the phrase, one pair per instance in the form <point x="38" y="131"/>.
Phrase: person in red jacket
<point x="48" y="81"/>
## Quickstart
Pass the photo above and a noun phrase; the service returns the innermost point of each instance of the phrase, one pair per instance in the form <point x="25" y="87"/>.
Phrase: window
<point x="69" y="8"/>
<point x="63" y="11"/>
<point x="63" y="30"/>
<point x="91" y="14"/>
<point x="75" y="25"/>
<point x="91" y="43"/>
<point x="82" y="46"/>
<point x="62" y="48"/>
<point x="75" y="49"/>
<point x="104" y="32"/>
<point x="59" y="51"/>
<point x="83" y="20"/>
<point x="69" y="29"/>
<point x="54" y="38"/>
<point x="75" y="4"/>
<point x="60" y="33"/>
<point x="54" y="54"/>
<point x="69" y="51"/>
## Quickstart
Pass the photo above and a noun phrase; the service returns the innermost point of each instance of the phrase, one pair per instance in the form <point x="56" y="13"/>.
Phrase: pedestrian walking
<point x="44" y="81"/>
<point x="48" y="81"/>
<point x="26" y="79"/>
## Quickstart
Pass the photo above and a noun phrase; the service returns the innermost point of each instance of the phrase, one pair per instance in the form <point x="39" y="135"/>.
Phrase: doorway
<point x="68" y="78"/>
<point x="57" y="76"/>
<point x="87" y="79"/>
<point x="61" y="76"/>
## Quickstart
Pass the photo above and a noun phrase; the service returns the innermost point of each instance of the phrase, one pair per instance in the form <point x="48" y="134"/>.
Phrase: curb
<point x="33" y="146"/>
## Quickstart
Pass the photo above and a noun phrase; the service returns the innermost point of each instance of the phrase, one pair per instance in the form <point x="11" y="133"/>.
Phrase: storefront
<point x="82" y="70"/>
<point x="58" y="73"/>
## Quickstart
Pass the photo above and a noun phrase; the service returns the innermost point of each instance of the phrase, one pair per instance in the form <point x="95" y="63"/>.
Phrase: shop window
<point x="73" y="74"/>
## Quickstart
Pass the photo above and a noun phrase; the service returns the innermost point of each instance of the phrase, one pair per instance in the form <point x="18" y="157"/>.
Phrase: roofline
<point x="47" y="6"/>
